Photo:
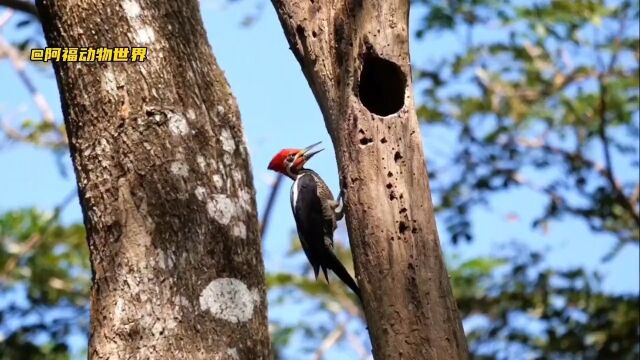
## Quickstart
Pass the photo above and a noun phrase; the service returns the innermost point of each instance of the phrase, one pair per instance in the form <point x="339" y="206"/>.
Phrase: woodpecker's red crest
<point x="290" y="161"/>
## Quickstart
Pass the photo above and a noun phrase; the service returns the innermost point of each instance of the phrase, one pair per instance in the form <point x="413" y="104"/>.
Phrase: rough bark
<point x="165" y="185"/>
<point x="355" y="56"/>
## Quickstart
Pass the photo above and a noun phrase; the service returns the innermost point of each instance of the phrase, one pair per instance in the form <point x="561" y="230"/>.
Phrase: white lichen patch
<point x="178" y="124"/>
<point x="180" y="168"/>
<point x="145" y="35"/>
<point x="217" y="181"/>
<point x="202" y="163"/>
<point x="220" y="110"/>
<point x="157" y="329"/>
<point x="245" y="199"/>
<point x="239" y="230"/>
<point x="131" y="8"/>
<point x="109" y="82"/>
<point x="229" y="299"/>
<point x="102" y="147"/>
<point x="201" y="193"/>
<point x="228" y="144"/>
<point x="164" y="261"/>
<point x="182" y="301"/>
<point x="119" y="311"/>
<point x="232" y="353"/>
<point x="171" y="324"/>
<point x="237" y="176"/>
<point x="191" y="114"/>
<point x="221" y="208"/>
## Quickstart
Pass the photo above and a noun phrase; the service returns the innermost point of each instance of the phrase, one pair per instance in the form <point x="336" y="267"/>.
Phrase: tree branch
<point x="604" y="170"/>
<point x="329" y="341"/>
<point x="622" y="199"/>
<point x="20" y="66"/>
<point x="266" y="215"/>
<point x="39" y="100"/>
<point x="6" y="16"/>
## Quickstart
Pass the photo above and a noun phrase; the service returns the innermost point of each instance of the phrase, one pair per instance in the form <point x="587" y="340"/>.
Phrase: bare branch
<point x="20" y="65"/>
<point x="604" y="170"/>
<point x="266" y="215"/>
<point x="621" y="198"/>
<point x="6" y="16"/>
<point x="358" y="346"/>
<point x="569" y="155"/>
<point x="329" y="341"/>
<point x="39" y="100"/>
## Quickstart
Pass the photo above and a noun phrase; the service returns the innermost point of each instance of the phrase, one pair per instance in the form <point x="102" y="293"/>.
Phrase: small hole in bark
<point x="364" y="141"/>
<point x="392" y="195"/>
<point x="389" y="174"/>
<point x="314" y="34"/>
<point x="383" y="140"/>
<point x="397" y="156"/>
<point x="403" y="210"/>
<point x="382" y="85"/>
<point x="389" y="185"/>
<point x="403" y="227"/>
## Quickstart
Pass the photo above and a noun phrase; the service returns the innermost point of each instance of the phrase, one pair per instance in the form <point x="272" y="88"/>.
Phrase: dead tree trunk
<point x="355" y="56"/>
<point x="165" y="185"/>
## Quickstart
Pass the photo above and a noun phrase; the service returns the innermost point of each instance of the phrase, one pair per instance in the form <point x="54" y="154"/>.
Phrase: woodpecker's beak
<point x="306" y="153"/>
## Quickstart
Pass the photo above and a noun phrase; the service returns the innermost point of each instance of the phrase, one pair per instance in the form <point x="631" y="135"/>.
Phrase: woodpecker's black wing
<point x="311" y="223"/>
<point x="315" y="223"/>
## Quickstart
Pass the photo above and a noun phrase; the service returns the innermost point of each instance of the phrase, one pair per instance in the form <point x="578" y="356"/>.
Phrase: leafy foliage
<point x="540" y="96"/>
<point x="513" y="305"/>
<point x="45" y="281"/>
<point x="523" y="309"/>
<point x="544" y="96"/>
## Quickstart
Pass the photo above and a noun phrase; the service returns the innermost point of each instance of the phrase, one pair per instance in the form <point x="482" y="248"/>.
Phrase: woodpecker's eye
<point x="289" y="158"/>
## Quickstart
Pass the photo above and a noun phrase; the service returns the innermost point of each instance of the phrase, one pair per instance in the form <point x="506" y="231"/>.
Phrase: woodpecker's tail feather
<point x="324" y="271"/>
<point x="334" y="264"/>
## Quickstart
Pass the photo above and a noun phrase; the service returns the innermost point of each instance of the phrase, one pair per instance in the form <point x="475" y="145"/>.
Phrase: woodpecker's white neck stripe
<point x="294" y="190"/>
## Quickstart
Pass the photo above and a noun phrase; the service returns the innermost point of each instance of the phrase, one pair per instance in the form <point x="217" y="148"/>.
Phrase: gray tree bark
<point x="165" y="185"/>
<point x="355" y="56"/>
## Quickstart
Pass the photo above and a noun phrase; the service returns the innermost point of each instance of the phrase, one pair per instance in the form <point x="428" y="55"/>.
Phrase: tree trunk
<point x="165" y="185"/>
<point x="355" y="56"/>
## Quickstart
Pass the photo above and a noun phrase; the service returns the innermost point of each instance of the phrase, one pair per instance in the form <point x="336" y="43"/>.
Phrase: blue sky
<point x="278" y="110"/>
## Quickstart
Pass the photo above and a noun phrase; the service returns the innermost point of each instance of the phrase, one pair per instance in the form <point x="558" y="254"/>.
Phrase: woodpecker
<point x="314" y="210"/>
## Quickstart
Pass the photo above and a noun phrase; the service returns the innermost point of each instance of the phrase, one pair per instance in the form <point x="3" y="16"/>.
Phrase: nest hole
<point x="382" y="85"/>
